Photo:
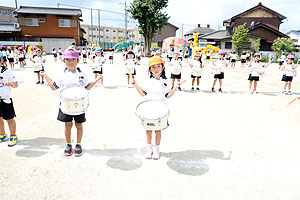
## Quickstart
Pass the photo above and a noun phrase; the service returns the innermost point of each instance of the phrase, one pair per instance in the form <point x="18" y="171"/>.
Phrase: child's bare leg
<point x="193" y="81"/>
<point x="284" y="87"/>
<point x="250" y="85"/>
<point x="128" y="79"/>
<point x="290" y="85"/>
<point x="220" y="83"/>
<point x="173" y="81"/>
<point x="2" y="130"/>
<point x="12" y="126"/>
<point x="157" y="137"/>
<point x="79" y="131"/>
<point x="38" y="75"/>
<point x="255" y="85"/>
<point x="101" y="80"/>
<point x="214" y="83"/>
<point x="198" y="81"/>
<point x="68" y="127"/>
<point x="148" y="137"/>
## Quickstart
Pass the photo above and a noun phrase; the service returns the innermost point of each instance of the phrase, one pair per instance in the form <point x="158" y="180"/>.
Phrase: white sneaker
<point x="148" y="154"/>
<point x="156" y="154"/>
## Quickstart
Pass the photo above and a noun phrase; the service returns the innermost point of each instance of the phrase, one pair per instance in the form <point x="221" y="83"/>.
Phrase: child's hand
<point x="8" y="83"/>
<point x="298" y="98"/>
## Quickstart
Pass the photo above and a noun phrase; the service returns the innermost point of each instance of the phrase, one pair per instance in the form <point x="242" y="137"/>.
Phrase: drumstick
<point x="292" y="101"/>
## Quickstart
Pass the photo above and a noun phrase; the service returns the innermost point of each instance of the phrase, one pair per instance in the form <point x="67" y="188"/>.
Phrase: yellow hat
<point x="155" y="60"/>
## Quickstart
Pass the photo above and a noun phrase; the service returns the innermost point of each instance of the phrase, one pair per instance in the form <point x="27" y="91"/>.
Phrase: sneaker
<point x="283" y="92"/>
<point x="289" y="93"/>
<point x="68" y="150"/>
<point x="192" y="88"/>
<point x="78" y="150"/>
<point x="148" y="154"/>
<point x="42" y="82"/>
<point x="38" y="82"/>
<point x="13" y="140"/>
<point x="3" y="137"/>
<point x="198" y="89"/>
<point x="213" y="89"/>
<point x="156" y="154"/>
<point x="179" y="88"/>
<point x="220" y="90"/>
<point x="255" y="92"/>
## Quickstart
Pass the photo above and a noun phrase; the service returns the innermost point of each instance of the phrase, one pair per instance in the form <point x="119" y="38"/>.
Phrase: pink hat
<point x="177" y="51"/>
<point x="71" y="53"/>
<point x="291" y="56"/>
<point x="222" y="52"/>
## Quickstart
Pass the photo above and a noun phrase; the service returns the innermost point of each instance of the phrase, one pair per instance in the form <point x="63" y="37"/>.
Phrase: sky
<point x="186" y="14"/>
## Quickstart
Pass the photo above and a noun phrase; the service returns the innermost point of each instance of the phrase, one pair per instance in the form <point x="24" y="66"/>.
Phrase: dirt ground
<point x="230" y="145"/>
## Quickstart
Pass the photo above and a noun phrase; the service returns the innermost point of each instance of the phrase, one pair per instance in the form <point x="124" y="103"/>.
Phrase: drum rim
<point x="60" y="94"/>
<point x="168" y="113"/>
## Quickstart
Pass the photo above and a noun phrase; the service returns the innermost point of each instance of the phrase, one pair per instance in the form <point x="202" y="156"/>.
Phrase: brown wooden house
<point x="44" y="22"/>
<point x="261" y="21"/>
<point x="169" y="30"/>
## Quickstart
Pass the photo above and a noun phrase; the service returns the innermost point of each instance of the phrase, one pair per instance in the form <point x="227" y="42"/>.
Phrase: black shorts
<point x="243" y="61"/>
<point x="4" y="58"/>
<point x="7" y="110"/>
<point x="68" y="118"/>
<point x="111" y="57"/>
<point x="219" y="76"/>
<point x="84" y="56"/>
<point x="253" y="78"/>
<point x="248" y="58"/>
<point x="79" y="54"/>
<point x="174" y="76"/>
<point x="21" y="59"/>
<point x="60" y="54"/>
<point x="280" y="62"/>
<point x="11" y="60"/>
<point x="186" y="56"/>
<point x="98" y="72"/>
<point x="192" y="76"/>
<point x="138" y="57"/>
<point x="233" y="60"/>
<point x="55" y="55"/>
<point x="207" y="57"/>
<point x="134" y="73"/>
<point x="43" y="69"/>
<point x="287" y="78"/>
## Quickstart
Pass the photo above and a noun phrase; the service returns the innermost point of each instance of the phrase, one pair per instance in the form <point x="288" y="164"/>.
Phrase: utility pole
<point x="16" y="1"/>
<point x="125" y="25"/>
<point x="92" y="24"/>
<point x="99" y="25"/>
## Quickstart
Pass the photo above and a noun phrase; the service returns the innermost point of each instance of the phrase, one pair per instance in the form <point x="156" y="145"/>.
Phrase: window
<point x="160" y="43"/>
<point x="101" y="29"/>
<point x="31" y="22"/>
<point x="228" y="45"/>
<point x="107" y="37"/>
<point x="120" y="31"/>
<point x="4" y="22"/>
<point x="64" y="23"/>
<point x="101" y="36"/>
<point x="114" y="37"/>
<point x="42" y="20"/>
<point x="107" y="30"/>
<point x="4" y="13"/>
<point x="114" y="31"/>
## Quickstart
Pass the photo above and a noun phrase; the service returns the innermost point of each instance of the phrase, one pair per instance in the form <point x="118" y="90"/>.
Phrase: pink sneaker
<point x="156" y="154"/>
<point x="148" y="153"/>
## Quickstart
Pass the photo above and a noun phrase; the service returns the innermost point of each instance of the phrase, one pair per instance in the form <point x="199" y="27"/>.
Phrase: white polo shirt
<point x="130" y="63"/>
<point x="68" y="79"/>
<point x="6" y="75"/>
<point x="256" y="66"/>
<point x="99" y="60"/>
<point x="156" y="89"/>
<point x="220" y="64"/>
<point x="39" y="60"/>
<point x="176" y="65"/>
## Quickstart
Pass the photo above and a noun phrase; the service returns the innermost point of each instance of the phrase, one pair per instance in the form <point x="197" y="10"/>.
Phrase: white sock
<point x="149" y="145"/>
<point x="157" y="147"/>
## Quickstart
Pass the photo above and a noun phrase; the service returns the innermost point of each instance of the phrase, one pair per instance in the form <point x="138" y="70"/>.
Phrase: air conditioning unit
<point x="16" y="25"/>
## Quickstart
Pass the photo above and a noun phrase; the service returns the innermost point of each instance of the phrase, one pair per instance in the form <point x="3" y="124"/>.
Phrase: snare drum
<point x="216" y="70"/>
<point x="37" y="67"/>
<point x="154" y="114"/>
<point x="74" y="100"/>
<point x="176" y="70"/>
<point x="130" y="70"/>
<point x="96" y="67"/>
<point x="197" y="72"/>
<point x="289" y="73"/>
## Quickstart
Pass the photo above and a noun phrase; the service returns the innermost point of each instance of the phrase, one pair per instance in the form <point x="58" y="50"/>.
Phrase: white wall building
<point x="295" y="36"/>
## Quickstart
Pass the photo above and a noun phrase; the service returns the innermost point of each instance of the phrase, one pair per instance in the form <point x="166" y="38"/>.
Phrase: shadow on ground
<point x="38" y="146"/>
<point x="190" y="162"/>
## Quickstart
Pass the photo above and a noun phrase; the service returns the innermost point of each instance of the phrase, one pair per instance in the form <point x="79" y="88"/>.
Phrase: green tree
<point x="283" y="44"/>
<point x="151" y="18"/>
<point x="240" y="38"/>
<point x="255" y="48"/>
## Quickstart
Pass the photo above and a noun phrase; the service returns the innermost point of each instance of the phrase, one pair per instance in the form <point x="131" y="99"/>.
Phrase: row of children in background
<point x="13" y="56"/>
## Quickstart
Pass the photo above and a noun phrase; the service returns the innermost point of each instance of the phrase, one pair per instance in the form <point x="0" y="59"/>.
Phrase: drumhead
<point x="152" y="109"/>
<point x="74" y="93"/>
